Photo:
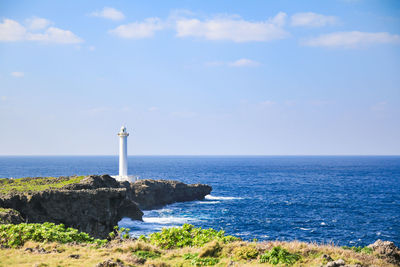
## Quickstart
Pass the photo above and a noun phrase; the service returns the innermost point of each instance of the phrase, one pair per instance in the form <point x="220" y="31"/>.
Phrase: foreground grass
<point x="139" y="253"/>
<point x="54" y="245"/>
<point x="36" y="184"/>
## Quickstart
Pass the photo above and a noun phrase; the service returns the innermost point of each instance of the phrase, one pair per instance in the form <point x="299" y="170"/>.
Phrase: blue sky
<point x="200" y="77"/>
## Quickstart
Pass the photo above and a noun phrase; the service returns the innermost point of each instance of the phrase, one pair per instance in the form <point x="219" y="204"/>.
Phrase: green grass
<point x="365" y="250"/>
<point x="186" y="236"/>
<point x="146" y="254"/>
<point x="245" y="253"/>
<point x="279" y="255"/>
<point x="36" y="184"/>
<point x="15" y="235"/>
<point x="195" y="260"/>
<point x="60" y="242"/>
<point x="5" y="210"/>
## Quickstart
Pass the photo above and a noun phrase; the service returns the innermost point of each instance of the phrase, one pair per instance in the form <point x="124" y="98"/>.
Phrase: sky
<point x="200" y="77"/>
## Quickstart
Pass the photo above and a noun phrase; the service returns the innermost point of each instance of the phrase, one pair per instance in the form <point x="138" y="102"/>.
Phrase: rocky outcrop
<point x="387" y="250"/>
<point x="92" y="211"/>
<point x="155" y="193"/>
<point x="97" y="203"/>
<point x="10" y="216"/>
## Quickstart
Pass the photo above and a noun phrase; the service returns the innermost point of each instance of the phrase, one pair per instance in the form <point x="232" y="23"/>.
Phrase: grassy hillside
<point x="182" y="246"/>
<point x="36" y="184"/>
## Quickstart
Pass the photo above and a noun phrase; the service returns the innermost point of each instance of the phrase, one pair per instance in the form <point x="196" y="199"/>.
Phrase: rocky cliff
<point x="97" y="203"/>
<point x="151" y="194"/>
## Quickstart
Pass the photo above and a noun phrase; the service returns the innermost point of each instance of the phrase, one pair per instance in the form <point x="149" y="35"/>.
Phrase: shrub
<point x="119" y="233"/>
<point x="15" y="235"/>
<point x="245" y="253"/>
<point x="211" y="249"/>
<point x="196" y="261"/>
<point x="365" y="250"/>
<point x="144" y="254"/>
<point x="279" y="255"/>
<point x="187" y="235"/>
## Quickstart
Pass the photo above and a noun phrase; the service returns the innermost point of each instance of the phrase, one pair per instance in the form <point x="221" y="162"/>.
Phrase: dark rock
<point x="99" y="202"/>
<point x="327" y="257"/>
<point x="37" y="249"/>
<point x="95" y="211"/>
<point x="110" y="263"/>
<point x="94" y="182"/>
<point x="75" y="256"/>
<point x="155" y="193"/>
<point x="136" y="260"/>
<point x="387" y="250"/>
<point x="10" y="216"/>
<point x="29" y="249"/>
<point x="337" y="263"/>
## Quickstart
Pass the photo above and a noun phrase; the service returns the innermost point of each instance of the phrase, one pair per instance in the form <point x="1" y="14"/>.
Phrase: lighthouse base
<point x="129" y="178"/>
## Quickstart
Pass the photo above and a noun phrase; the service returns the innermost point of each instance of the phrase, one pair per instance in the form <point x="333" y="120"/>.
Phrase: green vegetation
<point x="365" y="250"/>
<point x="279" y="255"/>
<point x="36" y="184"/>
<point x="15" y="235"/>
<point x="195" y="260"/>
<point x="3" y="210"/>
<point x="119" y="233"/>
<point x="186" y="236"/>
<point x="245" y="253"/>
<point x="143" y="254"/>
<point x="212" y="249"/>
<point x="48" y="244"/>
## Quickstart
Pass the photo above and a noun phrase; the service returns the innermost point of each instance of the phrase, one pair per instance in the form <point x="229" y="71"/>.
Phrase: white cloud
<point x="352" y="39"/>
<point x="92" y="48"/>
<point x="109" y="13"/>
<point x="3" y="98"/>
<point x="233" y="29"/>
<point x="11" y="31"/>
<point x="36" y="23"/>
<point x="244" y="62"/>
<point x="17" y="74"/>
<point x="139" y="30"/>
<point x="310" y="19"/>
<point x="55" y="35"/>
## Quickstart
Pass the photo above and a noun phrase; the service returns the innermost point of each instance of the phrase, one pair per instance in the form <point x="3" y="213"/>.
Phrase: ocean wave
<point x="168" y="220"/>
<point x="305" y="229"/>
<point x="210" y="197"/>
<point x="207" y="202"/>
<point x="165" y="210"/>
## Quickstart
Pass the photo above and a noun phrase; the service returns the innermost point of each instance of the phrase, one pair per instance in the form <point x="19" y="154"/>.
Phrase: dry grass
<point x="59" y="254"/>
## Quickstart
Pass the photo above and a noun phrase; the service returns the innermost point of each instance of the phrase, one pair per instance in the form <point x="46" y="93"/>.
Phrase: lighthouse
<point x="123" y="157"/>
<point x="123" y="152"/>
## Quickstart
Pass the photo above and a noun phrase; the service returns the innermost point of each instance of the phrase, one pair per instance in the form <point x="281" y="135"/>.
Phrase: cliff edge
<point x="96" y="203"/>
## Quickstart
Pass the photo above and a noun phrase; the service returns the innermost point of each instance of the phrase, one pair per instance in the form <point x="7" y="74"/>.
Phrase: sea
<point x="342" y="200"/>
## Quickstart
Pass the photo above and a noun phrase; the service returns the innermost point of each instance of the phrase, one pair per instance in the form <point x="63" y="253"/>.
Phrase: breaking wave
<point x="210" y="197"/>
<point x="168" y="220"/>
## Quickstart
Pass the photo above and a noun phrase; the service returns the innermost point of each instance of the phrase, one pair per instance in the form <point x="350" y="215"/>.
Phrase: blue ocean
<point x="347" y="200"/>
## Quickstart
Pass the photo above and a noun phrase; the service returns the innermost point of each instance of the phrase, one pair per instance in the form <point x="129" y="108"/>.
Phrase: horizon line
<point x="194" y="155"/>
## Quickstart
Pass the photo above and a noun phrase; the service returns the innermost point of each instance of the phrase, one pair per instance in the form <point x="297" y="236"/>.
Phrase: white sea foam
<point x="210" y="197"/>
<point x="305" y="229"/>
<point x="163" y="210"/>
<point x="207" y="202"/>
<point x="168" y="220"/>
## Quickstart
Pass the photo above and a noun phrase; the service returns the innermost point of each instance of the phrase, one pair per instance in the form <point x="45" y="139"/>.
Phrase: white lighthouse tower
<point x="123" y="157"/>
